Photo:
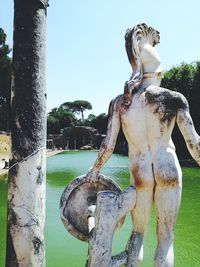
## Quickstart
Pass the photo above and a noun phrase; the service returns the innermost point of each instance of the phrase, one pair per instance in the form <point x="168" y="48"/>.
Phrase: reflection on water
<point x="68" y="165"/>
<point x="63" y="250"/>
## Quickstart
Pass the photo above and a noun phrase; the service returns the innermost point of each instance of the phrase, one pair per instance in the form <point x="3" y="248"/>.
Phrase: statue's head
<point x="144" y="59"/>
<point x="140" y="38"/>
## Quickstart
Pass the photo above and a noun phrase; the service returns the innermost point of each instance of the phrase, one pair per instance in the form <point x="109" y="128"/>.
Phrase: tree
<point x="5" y="81"/>
<point x="194" y="98"/>
<point x="100" y="123"/>
<point x="90" y="119"/>
<point x="78" y="106"/>
<point x="59" y="118"/>
<point x="180" y="79"/>
<point x="26" y="178"/>
<point x="53" y="126"/>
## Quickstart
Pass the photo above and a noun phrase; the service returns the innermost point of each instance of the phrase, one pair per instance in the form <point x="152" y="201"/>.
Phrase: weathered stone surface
<point x="147" y="115"/>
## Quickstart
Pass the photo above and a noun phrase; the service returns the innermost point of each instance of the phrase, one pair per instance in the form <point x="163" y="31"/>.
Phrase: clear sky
<point x="86" y="58"/>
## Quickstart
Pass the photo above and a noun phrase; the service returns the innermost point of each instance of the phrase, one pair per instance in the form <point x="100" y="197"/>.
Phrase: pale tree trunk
<point x="111" y="207"/>
<point x="26" y="185"/>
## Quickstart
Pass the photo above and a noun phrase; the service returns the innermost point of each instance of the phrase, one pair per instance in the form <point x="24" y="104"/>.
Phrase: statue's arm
<point x="108" y="144"/>
<point x="186" y="126"/>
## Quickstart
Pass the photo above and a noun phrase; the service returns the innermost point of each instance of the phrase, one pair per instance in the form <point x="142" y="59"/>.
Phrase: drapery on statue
<point x="147" y="114"/>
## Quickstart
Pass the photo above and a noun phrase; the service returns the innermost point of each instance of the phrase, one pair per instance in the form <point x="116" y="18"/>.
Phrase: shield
<point x="80" y="194"/>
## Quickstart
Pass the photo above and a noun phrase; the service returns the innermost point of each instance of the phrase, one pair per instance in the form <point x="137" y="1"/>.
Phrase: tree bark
<point x="26" y="179"/>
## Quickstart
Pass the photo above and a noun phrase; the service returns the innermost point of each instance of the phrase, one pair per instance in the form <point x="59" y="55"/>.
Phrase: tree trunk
<point x="82" y="115"/>
<point x="110" y="208"/>
<point x="26" y="181"/>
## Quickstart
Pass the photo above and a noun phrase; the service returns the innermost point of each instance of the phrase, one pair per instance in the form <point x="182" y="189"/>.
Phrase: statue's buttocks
<point x="148" y="125"/>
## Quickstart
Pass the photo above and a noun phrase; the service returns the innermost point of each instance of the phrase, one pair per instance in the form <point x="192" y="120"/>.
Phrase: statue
<point x="147" y="114"/>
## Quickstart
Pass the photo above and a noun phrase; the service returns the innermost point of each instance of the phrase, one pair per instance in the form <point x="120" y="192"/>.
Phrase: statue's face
<point x="149" y="57"/>
<point x="140" y="48"/>
<point x="148" y="53"/>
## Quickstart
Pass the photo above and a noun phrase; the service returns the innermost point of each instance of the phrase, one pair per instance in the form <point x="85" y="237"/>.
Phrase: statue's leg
<point x="167" y="202"/>
<point x="140" y="216"/>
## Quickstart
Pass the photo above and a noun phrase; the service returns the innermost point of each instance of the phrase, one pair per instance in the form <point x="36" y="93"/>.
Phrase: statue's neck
<point x="151" y="78"/>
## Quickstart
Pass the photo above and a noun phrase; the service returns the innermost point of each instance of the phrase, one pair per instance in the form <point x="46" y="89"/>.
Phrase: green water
<point x="63" y="250"/>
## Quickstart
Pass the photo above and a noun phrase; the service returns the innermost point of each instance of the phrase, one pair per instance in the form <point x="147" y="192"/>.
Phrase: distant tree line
<point x="65" y="116"/>
<point x="5" y="82"/>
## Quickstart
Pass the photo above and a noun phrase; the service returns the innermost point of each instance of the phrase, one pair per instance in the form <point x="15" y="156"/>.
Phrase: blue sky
<point x="86" y="58"/>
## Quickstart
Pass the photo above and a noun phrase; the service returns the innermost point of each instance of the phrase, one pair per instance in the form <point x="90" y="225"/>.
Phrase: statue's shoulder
<point x="116" y="104"/>
<point x="156" y="94"/>
<point x="118" y="100"/>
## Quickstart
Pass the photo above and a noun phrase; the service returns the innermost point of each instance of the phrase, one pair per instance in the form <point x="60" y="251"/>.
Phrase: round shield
<point x="77" y="197"/>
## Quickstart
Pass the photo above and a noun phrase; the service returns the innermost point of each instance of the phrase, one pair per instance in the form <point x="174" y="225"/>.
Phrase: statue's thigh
<point x="141" y="212"/>
<point x="167" y="202"/>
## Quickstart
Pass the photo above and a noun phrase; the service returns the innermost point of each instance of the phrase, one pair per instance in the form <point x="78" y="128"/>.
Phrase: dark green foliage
<point x="64" y="116"/>
<point x="180" y="79"/>
<point x="59" y="118"/>
<point x="194" y="98"/>
<point x="5" y="81"/>
<point x="78" y="106"/>
<point x="99" y="122"/>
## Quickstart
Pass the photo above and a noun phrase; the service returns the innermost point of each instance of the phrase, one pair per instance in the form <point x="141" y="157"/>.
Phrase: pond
<point x="63" y="250"/>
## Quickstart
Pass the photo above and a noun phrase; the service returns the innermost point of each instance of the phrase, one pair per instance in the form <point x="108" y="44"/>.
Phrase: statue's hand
<point x="92" y="175"/>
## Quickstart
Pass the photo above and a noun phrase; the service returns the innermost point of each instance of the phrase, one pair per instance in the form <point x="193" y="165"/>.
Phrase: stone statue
<point x="147" y="114"/>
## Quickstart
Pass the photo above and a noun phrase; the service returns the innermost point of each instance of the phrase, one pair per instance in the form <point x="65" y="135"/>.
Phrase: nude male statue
<point x="147" y="114"/>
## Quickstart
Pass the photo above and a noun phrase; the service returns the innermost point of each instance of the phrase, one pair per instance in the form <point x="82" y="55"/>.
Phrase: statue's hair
<point x="133" y="37"/>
